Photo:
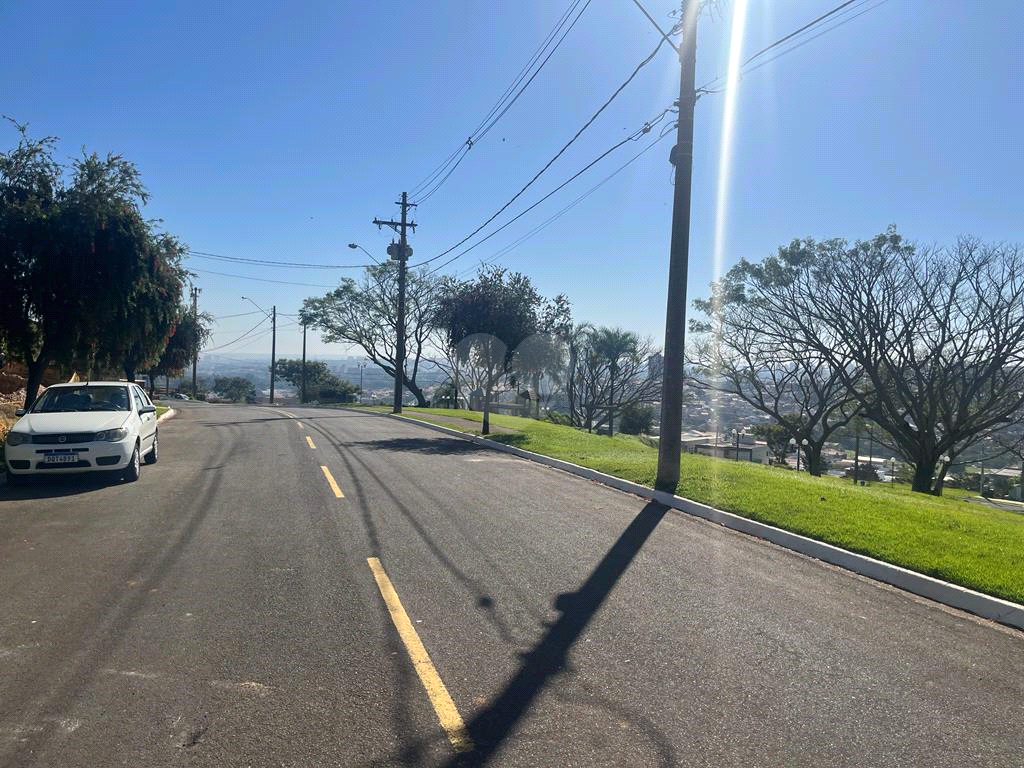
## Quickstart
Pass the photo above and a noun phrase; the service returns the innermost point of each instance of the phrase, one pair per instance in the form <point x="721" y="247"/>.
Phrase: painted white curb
<point x="992" y="608"/>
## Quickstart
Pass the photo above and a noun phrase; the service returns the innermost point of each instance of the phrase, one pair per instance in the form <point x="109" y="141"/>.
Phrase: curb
<point x="992" y="608"/>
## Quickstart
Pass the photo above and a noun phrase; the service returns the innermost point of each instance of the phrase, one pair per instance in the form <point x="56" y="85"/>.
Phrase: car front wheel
<point x="134" y="468"/>
<point x="154" y="454"/>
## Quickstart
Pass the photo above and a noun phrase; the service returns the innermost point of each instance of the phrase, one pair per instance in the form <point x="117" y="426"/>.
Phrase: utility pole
<point x="401" y="254"/>
<point x="675" y="315"/>
<point x="273" y="349"/>
<point x="303" y="362"/>
<point x="195" y="322"/>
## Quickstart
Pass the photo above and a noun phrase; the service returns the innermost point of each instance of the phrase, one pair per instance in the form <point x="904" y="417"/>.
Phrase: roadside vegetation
<point x="966" y="543"/>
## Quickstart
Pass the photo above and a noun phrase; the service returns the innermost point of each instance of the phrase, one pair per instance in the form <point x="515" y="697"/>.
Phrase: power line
<point x="814" y="37"/>
<point x="289" y="264"/>
<point x="260" y="279"/>
<point x="551" y="162"/>
<point x="235" y="341"/>
<point x="550" y="220"/>
<point x="843" y="9"/>
<point x="442" y="173"/>
<point x="632" y="137"/>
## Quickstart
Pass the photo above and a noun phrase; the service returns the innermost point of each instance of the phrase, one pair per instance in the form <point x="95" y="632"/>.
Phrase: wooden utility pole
<point x="675" y="316"/>
<point x="400" y="252"/>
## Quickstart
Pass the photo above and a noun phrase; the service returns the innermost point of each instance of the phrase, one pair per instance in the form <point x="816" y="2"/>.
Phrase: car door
<point x="147" y="421"/>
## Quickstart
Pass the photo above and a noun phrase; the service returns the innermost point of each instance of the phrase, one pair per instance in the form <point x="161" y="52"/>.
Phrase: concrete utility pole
<point x="273" y="349"/>
<point x="303" y="362"/>
<point x="195" y="320"/>
<point x="400" y="253"/>
<point x="675" y="316"/>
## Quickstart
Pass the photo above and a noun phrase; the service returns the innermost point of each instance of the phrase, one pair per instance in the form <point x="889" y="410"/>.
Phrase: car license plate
<point x="61" y="458"/>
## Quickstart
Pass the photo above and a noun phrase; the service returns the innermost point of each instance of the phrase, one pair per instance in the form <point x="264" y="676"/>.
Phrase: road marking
<point x="300" y="424"/>
<point x="449" y="716"/>
<point x="309" y="441"/>
<point x="331" y="481"/>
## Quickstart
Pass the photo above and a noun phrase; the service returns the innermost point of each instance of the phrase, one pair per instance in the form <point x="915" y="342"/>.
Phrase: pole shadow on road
<point x="491" y="726"/>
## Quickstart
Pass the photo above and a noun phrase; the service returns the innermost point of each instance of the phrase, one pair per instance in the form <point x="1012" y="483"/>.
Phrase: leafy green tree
<point x="365" y="313"/>
<point x="30" y="270"/>
<point x="610" y="369"/>
<point x="235" y="388"/>
<point x="191" y="332"/>
<point x="776" y="437"/>
<point x="542" y="356"/>
<point x="618" y="347"/>
<point x="486" y="319"/>
<point x="86" y="280"/>
<point x="321" y="383"/>
<point x="140" y="327"/>
<point x="637" y="419"/>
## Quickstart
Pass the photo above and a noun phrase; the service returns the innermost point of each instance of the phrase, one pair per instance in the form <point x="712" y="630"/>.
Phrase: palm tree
<point x="612" y="345"/>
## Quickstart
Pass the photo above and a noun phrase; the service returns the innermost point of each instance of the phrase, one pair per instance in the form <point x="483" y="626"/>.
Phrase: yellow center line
<point x="449" y="716"/>
<point x="331" y="481"/>
<point x="309" y="441"/>
<point x="300" y="424"/>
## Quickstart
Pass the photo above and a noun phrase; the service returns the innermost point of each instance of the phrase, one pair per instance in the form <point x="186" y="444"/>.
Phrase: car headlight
<point x="17" y="438"/>
<point x="112" y="435"/>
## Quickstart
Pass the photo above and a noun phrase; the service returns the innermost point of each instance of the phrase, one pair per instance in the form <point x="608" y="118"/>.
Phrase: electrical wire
<point x="813" y="37"/>
<point x="289" y="264"/>
<point x="550" y="220"/>
<point x="260" y="279"/>
<point x="235" y="341"/>
<point x="843" y="9"/>
<point x="632" y="137"/>
<point x="433" y="183"/>
<point x="550" y="162"/>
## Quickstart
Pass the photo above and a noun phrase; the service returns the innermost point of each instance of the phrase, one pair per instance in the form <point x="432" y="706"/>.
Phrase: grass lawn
<point x="965" y="543"/>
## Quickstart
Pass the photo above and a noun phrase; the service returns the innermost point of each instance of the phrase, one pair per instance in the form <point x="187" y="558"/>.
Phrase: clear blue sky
<point x="271" y="131"/>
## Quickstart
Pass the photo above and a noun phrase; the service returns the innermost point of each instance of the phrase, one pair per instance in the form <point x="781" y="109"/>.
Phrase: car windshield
<point x="85" y="398"/>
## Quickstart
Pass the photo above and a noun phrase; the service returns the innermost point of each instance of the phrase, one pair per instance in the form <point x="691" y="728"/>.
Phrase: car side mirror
<point x="147" y="409"/>
<point x="20" y="412"/>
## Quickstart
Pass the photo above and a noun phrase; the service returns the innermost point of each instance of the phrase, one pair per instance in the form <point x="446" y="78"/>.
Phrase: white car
<point x="92" y="426"/>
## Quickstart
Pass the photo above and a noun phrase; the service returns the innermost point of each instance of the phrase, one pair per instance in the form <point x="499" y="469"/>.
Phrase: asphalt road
<point x="223" y="611"/>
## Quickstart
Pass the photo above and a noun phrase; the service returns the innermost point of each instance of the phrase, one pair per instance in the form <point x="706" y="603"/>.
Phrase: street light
<point x="736" y="436"/>
<point x="354" y="246"/>
<point x="798" y="447"/>
<point x="892" y="471"/>
<point x="273" y="340"/>
<point x="361" y="367"/>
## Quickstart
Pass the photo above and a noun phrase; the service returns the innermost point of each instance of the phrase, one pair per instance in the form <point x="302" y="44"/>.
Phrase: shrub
<point x="556" y="417"/>
<point x="636" y="419"/>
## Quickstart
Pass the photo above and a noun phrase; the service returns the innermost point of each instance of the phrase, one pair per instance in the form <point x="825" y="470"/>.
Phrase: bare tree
<point x="365" y="314"/>
<point x="742" y="347"/>
<point x="929" y="341"/>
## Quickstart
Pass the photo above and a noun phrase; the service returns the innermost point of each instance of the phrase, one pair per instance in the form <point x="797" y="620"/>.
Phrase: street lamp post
<point x="354" y="246"/>
<point x="892" y="470"/>
<point x="736" y="437"/>
<point x="273" y="340"/>
<point x="361" y="367"/>
<point x="799" y="448"/>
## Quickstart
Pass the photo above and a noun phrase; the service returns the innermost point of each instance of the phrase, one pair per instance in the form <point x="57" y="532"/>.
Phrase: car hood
<point x="51" y="423"/>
